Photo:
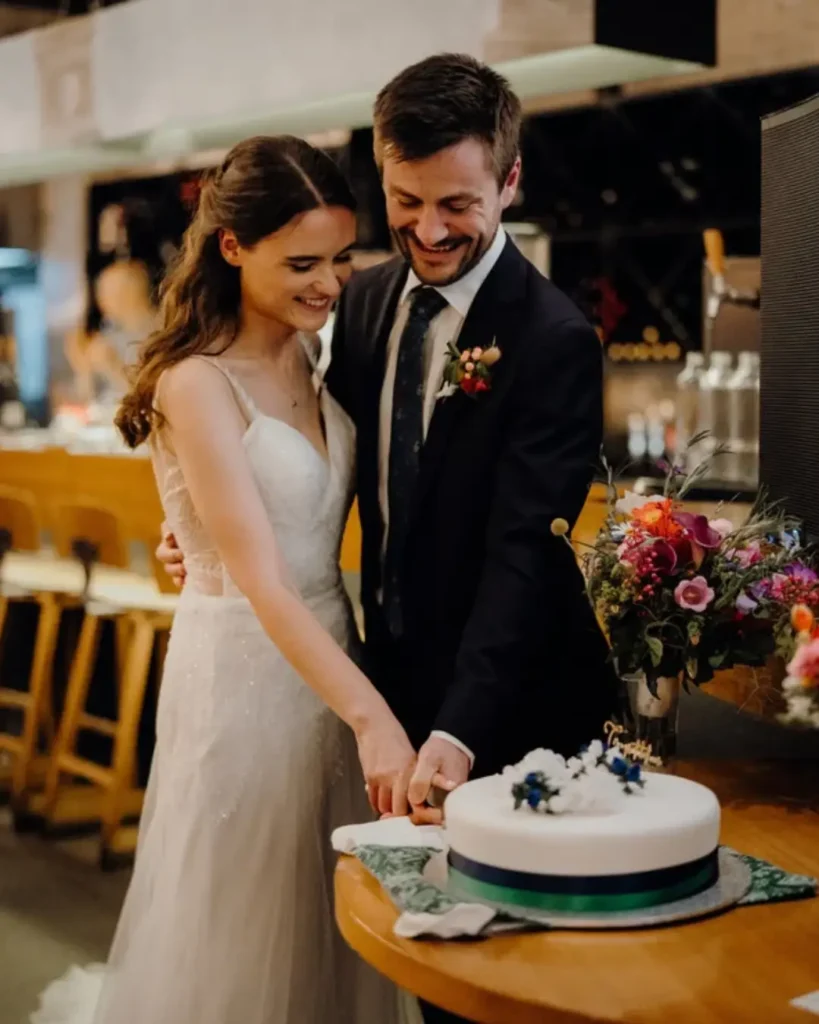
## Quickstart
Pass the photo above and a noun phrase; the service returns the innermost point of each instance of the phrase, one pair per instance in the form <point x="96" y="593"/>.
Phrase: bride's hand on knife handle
<point x="387" y="760"/>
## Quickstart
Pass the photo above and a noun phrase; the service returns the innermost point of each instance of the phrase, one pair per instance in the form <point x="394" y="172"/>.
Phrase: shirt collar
<point x="461" y="293"/>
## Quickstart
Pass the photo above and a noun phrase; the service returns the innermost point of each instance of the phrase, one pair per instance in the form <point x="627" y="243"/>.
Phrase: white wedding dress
<point x="228" y="918"/>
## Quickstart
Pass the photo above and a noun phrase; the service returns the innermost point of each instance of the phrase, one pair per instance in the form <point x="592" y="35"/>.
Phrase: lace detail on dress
<point x="204" y="567"/>
<point x="307" y="497"/>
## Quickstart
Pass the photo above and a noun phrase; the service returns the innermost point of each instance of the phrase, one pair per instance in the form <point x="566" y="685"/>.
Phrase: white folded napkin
<point x="447" y="923"/>
<point x="387" y="832"/>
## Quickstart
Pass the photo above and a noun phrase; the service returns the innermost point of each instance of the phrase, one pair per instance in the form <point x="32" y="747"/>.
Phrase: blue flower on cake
<point x="595" y="779"/>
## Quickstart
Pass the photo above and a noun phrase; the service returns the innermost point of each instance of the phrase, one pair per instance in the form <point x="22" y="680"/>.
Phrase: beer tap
<point x="721" y="291"/>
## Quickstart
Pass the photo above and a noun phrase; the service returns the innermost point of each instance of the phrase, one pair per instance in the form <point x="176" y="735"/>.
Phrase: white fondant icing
<point x="671" y="821"/>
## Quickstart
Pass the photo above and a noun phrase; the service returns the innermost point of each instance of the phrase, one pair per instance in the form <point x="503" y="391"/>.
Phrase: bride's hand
<point x="388" y="761"/>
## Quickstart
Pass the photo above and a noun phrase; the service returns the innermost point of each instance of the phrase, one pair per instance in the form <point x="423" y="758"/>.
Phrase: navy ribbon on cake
<point x="584" y="893"/>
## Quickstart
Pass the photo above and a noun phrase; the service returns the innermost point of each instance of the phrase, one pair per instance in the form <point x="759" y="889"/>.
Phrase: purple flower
<point x="746" y="604"/>
<point x="802" y="573"/>
<point x="699" y="529"/>
<point x="664" y="556"/>
<point x="695" y="595"/>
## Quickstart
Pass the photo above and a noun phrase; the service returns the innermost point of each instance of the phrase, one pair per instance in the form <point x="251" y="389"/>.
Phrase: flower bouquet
<point x="681" y="596"/>
<point x="799" y="643"/>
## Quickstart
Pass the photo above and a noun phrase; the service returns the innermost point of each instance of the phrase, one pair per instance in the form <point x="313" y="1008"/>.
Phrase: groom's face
<point x="444" y="210"/>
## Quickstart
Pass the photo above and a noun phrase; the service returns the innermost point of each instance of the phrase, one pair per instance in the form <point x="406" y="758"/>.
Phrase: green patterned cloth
<point x="770" y="884"/>
<point x="426" y="909"/>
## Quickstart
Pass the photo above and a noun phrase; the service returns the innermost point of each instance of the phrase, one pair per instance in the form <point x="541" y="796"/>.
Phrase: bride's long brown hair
<point x="263" y="183"/>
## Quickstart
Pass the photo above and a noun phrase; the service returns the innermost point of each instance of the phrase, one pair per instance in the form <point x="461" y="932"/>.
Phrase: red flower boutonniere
<point x="469" y="371"/>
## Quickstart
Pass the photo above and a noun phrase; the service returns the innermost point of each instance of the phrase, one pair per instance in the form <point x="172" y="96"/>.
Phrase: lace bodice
<point x="306" y="495"/>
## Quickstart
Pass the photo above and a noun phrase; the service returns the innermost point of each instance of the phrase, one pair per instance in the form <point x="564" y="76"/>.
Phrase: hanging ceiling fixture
<point x="593" y="44"/>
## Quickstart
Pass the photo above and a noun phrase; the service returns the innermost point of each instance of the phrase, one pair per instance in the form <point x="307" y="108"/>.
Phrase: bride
<point x="228" y="918"/>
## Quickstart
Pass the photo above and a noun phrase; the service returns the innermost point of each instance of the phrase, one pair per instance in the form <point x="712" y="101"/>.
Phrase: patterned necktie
<point x="406" y="440"/>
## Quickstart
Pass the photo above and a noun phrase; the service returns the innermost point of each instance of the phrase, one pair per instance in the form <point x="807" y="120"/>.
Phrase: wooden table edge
<point x="770" y="809"/>
<point x="396" y="961"/>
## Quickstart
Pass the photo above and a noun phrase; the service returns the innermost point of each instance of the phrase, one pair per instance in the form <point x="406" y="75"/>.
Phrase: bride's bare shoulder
<point x="195" y="379"/>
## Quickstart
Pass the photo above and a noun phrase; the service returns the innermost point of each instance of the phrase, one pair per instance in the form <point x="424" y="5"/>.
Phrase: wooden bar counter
<point x="742" y="967"/>
<point x="124" y="484"/>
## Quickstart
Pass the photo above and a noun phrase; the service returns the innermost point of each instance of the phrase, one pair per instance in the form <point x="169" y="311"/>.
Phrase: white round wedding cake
<point x="594" y="834"/>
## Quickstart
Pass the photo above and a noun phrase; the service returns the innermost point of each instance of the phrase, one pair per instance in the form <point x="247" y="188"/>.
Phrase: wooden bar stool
<point x="142" y="614"/>
<point x="58" y="583"/>
<point x="19" y="531"/>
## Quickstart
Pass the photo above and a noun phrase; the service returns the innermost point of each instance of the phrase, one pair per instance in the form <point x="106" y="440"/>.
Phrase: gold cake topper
<point x="637" y="750"/>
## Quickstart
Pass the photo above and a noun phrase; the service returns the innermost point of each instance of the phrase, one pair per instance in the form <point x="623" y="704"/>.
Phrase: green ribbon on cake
<point x="585" y="894"/>
<point x="580" y="903"/>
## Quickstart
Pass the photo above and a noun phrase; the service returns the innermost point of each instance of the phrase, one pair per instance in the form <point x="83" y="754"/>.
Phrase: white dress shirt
<point x="444" y="329"/>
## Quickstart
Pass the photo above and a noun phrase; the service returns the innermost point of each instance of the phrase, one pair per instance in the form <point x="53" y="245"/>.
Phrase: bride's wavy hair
<point x="263" y="183"/>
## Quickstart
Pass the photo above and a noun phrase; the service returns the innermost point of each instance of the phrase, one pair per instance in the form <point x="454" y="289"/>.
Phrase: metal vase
<point x="655" y="718"/>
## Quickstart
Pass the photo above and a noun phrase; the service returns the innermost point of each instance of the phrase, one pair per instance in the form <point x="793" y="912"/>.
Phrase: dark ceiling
<point x="59" y="6"/>
<point x="22" y="15"/>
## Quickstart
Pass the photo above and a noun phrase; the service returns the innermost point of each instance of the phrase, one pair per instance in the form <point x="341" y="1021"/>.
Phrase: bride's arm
<point x="205" y="430"/>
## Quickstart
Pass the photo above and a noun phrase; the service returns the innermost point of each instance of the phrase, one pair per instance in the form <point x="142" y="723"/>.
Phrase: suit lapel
<point x="487" y="315"/>
<point x="382" y="324"/>
<point x="377" y="325"/>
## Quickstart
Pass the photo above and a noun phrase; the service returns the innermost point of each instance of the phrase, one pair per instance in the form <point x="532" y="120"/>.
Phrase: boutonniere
<point x="470" y="370"/>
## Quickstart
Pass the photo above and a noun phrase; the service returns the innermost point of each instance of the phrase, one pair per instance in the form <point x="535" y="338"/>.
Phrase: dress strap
<point x="243" y="400"/>
<point x="311" y="343"/>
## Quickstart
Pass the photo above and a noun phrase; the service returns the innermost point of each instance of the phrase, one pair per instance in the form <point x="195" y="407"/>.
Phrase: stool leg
<point x="122" y="638"/>
<point x="136" y="669"/>
<point x="4" y="610"/>
<point x="79" y="681"/>
<point x="39" y="715"/>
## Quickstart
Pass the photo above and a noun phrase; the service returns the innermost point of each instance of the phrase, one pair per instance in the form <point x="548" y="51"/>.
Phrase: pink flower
<point x="699" y="530"/>
<point x="723" y="527"/>
<point x="695" y="595"/>
<point x="805" y="663"/>
<point x="663" y="556"/>
<point x="629" y="550"/>
<point x="747" y="556"/>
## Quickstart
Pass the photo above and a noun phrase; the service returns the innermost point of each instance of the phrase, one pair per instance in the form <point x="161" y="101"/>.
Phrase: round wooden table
<point x="742" y="967"/>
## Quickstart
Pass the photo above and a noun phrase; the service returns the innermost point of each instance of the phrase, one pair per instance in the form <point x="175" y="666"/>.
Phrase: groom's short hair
<point x="444" y="100"/>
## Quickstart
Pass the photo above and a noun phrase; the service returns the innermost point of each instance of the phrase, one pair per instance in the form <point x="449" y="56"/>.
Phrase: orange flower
<point x="655" y="517"/>
<point x="802" y="618"/>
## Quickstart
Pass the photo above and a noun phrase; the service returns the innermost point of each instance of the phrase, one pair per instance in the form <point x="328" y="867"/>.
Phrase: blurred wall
<point x="62" y="267"/>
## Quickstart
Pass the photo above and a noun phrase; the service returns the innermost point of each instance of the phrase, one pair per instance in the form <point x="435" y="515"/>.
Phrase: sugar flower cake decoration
<point x="596" y="778"/>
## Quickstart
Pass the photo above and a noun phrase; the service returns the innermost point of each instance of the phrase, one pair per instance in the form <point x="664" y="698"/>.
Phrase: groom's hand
<point x="441" y="765"/>
<point x="171" y="557"/>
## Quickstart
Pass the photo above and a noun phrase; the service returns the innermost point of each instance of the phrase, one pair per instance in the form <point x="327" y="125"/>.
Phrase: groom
<point x="478" y="631"/>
